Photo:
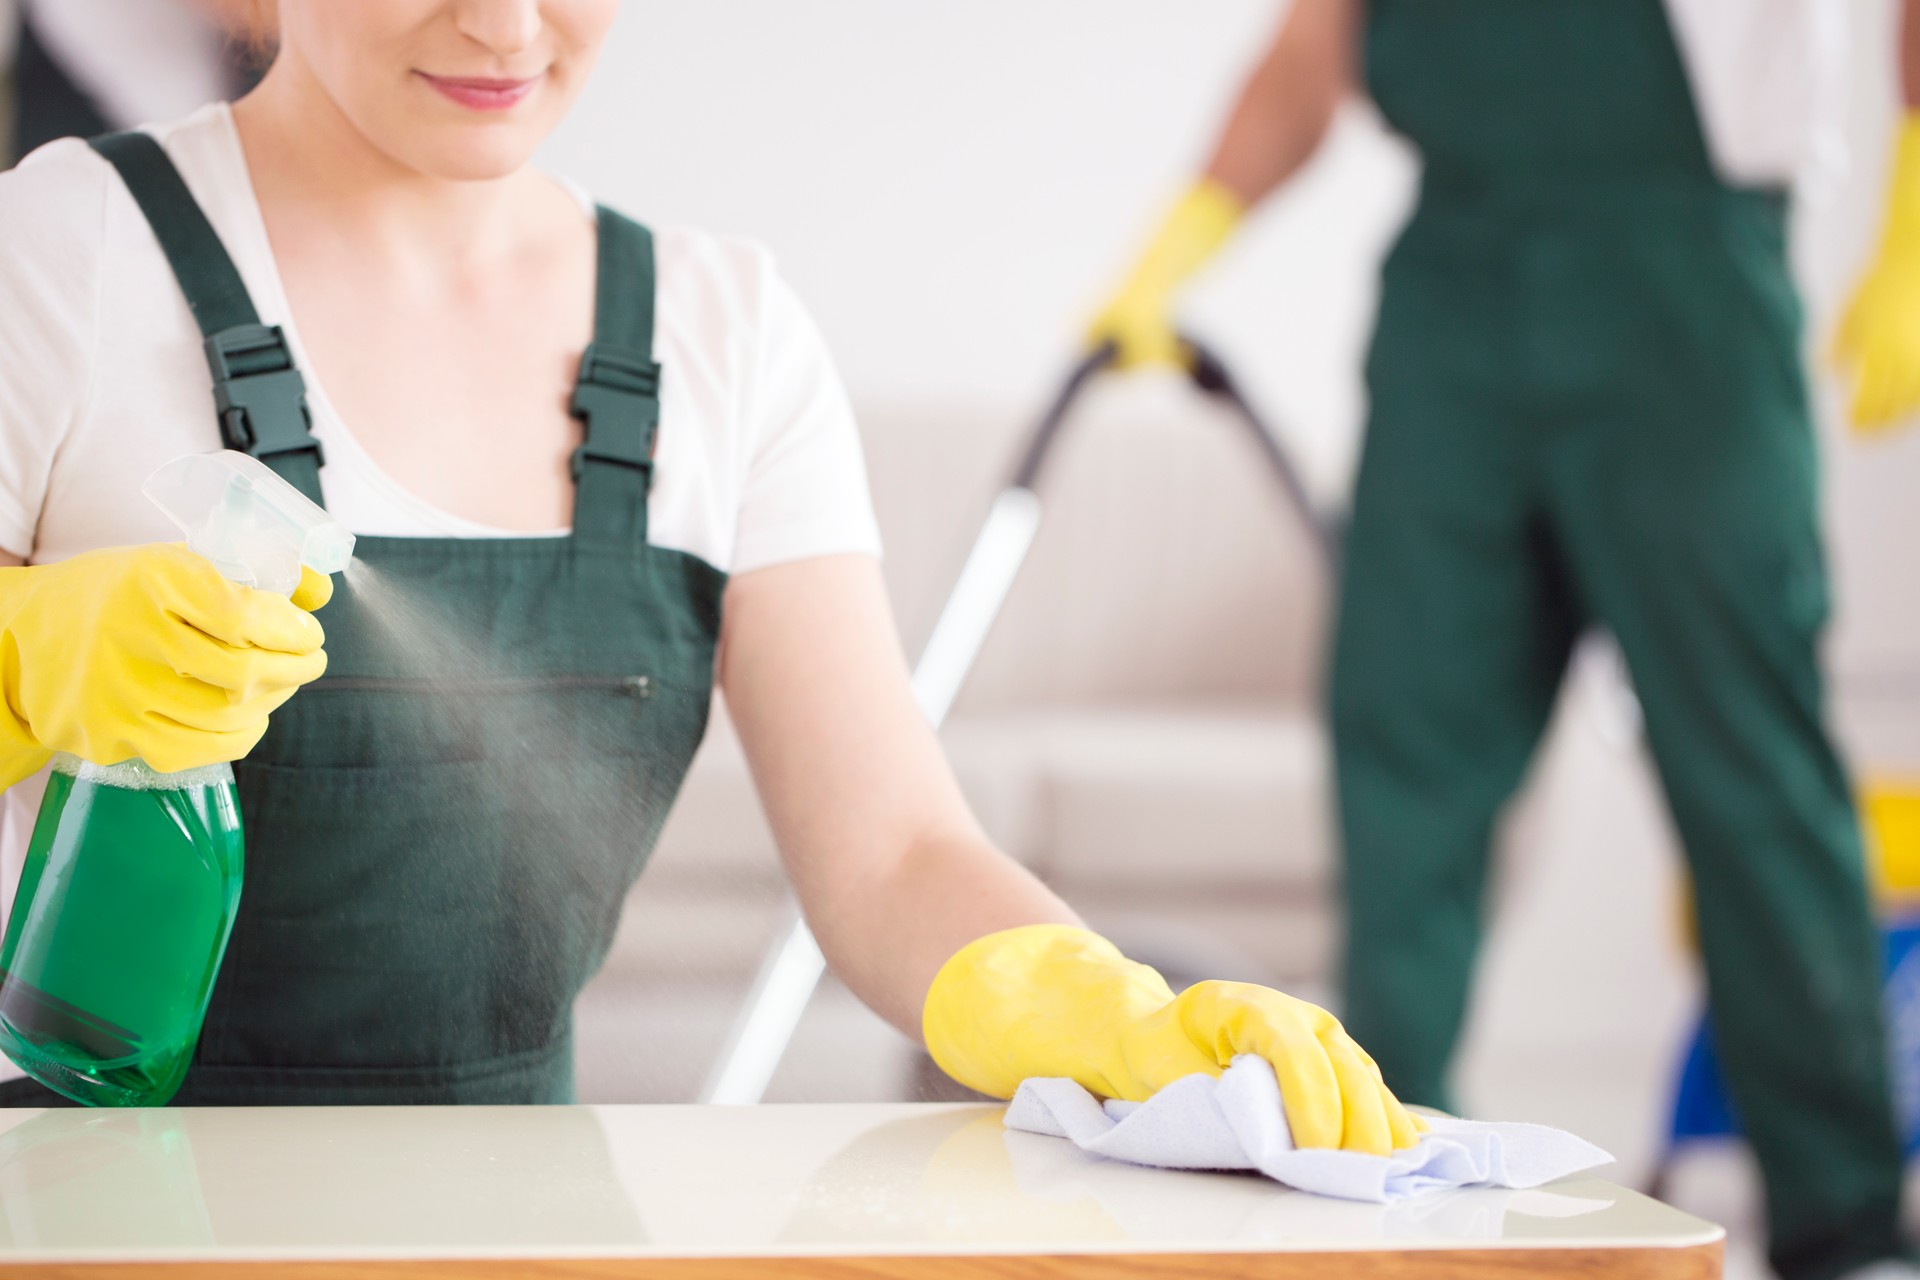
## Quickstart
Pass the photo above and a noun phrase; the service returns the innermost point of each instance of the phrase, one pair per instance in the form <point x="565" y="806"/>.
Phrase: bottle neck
<point x="137" y="775"/>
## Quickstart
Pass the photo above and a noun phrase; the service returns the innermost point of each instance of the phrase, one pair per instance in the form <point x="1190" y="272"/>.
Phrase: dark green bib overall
<point x="440" y="832"/>
<point x="1587" y="409"/>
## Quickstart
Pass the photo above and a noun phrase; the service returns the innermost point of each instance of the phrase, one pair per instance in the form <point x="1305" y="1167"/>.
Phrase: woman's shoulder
<point x="692" y="259"/>
<point x="54" y="199"/>
<point x="61" y="193"/>
<point x="724" y="288"/>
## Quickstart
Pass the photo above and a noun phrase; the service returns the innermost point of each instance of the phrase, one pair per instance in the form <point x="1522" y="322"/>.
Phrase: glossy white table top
<point x="689" y="1182"/>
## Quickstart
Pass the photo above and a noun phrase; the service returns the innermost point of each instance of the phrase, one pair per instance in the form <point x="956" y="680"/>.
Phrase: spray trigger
<point x="254" y="527"/>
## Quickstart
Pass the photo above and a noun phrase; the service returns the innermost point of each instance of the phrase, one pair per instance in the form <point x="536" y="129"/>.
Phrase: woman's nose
<point x="505" y="27"/>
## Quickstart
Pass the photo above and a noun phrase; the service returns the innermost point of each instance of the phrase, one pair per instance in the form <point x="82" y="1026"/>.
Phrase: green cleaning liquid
<point x="121" y="917"/>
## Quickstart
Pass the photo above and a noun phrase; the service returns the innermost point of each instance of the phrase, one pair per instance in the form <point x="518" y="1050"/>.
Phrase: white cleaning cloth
<point x="1236" y="1122"/>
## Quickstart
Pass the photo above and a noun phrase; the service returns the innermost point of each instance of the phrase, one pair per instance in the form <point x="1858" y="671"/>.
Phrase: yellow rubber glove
<point x="146" y="651"/>
<point x="1051" y="1000"/>
<point x="1890" y="814"/>
<point x="1880" y="334"/>
<point x="1137" y="320"/>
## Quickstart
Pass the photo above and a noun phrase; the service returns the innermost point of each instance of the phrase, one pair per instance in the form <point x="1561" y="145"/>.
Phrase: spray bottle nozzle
<point x="254" y="527"/>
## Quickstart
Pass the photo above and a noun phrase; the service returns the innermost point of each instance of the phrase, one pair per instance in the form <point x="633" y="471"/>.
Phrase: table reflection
<point x="175" y="1178"/>
<point x="961" y="1175"/>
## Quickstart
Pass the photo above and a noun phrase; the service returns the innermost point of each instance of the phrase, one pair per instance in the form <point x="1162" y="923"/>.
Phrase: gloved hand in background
<point x="148" y="652"/>
<point x="1138" y="319"/>
<point x="1879" y="337"/>
<point x="1053" y="1000"/>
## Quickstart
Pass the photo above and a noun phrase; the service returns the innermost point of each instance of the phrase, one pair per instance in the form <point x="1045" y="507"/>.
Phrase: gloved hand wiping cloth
<point x="1237" y="1122"/>
<point x="1047" y="1000"/>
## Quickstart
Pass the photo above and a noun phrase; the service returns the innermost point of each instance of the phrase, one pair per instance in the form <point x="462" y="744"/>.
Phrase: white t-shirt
<point x="102" y="378"/>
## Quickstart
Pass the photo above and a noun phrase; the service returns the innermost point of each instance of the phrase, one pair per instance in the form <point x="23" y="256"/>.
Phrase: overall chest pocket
<point x="399" y="723"/>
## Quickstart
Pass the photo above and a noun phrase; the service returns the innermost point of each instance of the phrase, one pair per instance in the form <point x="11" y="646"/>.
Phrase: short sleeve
<point x="805" y="492"/>
<point x="52" y="220"/>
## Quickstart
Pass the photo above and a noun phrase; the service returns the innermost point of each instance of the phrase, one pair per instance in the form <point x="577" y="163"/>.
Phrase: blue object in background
<point x="1700" y="1105"/>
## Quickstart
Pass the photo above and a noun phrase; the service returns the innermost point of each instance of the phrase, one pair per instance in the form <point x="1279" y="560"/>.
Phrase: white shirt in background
<point x="1769" y="83"/>
<point x="134" y="59"/>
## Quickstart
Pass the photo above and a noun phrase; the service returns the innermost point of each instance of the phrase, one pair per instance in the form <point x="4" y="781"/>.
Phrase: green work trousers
<point x="1588" y="409"/>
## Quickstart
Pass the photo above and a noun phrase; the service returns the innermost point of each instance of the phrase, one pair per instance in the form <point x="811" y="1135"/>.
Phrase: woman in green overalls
<point x="1587" y="409"/>
<point x="596" y="471"/>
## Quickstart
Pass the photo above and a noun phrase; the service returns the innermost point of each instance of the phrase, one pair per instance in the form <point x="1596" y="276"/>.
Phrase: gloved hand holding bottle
<point x="1054" y="1000"/>
<point x="146" y="652"/>
<point x="143" y="672"/>
<point x="1138" y="319"/>
<point x="1879" y="337"/>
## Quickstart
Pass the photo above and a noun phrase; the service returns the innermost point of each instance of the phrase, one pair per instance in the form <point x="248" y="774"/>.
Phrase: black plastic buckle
<point x="615" y="385"/>
<point x="259" y="393"/>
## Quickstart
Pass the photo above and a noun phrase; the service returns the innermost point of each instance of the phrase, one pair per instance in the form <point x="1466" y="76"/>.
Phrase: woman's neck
<point x="315" y="172"/>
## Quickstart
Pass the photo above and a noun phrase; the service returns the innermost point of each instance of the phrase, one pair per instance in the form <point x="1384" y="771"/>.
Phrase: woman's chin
<point x="469" y="153"/>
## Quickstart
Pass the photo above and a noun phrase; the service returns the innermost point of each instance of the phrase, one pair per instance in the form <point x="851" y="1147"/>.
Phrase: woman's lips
<point x="480" y="94"/>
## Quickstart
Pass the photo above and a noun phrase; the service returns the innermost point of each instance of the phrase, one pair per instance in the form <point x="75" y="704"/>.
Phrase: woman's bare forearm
<point x="1289" y="101"/>
<point x="890" y="867"/>
<point x="888" y="935"/>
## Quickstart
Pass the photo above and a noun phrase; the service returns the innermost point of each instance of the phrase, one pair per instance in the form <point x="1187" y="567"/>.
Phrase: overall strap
<point x="260" y="396"/>
<point x="617" y="395"/>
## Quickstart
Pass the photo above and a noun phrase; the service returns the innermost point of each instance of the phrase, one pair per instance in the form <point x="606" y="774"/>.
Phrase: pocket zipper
<point x="629" y="686"/>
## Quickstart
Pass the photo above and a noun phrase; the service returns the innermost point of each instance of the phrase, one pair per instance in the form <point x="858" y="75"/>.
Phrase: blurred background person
<point x="1588" y="410"/>
<point x="83" y="67"/>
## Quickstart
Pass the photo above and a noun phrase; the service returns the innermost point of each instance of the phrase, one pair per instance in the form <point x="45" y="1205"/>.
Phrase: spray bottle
<point x="132" y="878"/>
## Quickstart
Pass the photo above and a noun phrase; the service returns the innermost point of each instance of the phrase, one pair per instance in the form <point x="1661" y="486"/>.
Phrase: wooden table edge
<point x="1701" y="1261"/>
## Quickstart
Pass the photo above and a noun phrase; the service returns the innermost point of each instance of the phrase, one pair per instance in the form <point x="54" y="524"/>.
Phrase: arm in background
<point x="1879" y="336"/>
<point x="943" y="934"/>
<point x="1277" y="123"/>
<point x="1284" y="111"/>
